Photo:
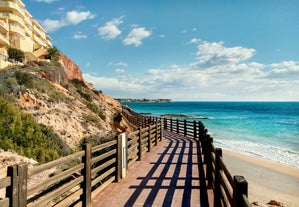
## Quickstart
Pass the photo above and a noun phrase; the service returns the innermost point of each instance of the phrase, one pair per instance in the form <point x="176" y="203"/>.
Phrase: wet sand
<point x="267" y="180"/>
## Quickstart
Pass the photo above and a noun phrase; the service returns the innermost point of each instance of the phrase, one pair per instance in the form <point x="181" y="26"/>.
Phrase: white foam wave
<point x="201" y="117"/>
<point x="269" y="152"/>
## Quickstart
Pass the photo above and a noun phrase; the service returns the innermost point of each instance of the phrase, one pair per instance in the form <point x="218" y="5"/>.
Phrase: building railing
<point x="4" y="38"/>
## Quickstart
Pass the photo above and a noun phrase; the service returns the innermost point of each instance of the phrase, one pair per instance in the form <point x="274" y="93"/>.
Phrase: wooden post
<point x="156" y="134"/>
<point x="171" y="125"/>
<point x="185" y="127"/>
<point x="240" y="187"/>
<point x="22" y="185"/>
<point x="177" y="126"/>
<point x="210" y="161"/>
<point x="86" y="186"/>
<point x="149" y="141"/>
<point x="161" y="131"/>
<point x="140" y="144"/>
<point x="217" y="190"/>
<point x="127" y="154"/>
<point x="205" y="147"/>
<point x="165" y="123"/>
<point x="194" y="130"/>
<point x="118" y="159"/>
<point x="200" y="130"/>
<point x="206" y="140"/>
<point x="12" y="191"/>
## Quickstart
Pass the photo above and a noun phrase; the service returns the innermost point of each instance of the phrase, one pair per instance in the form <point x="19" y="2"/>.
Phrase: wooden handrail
<point x="89" y="171"/>
<point x="226" y="188"/>
<point x="78" y="177"/>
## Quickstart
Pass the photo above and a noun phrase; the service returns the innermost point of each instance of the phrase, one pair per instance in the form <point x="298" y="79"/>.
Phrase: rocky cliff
<point x="71" y="68"/>
<point x="57" y="96"/>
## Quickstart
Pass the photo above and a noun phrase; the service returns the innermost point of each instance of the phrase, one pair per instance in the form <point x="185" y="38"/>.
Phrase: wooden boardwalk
<point x="170" y="175"/>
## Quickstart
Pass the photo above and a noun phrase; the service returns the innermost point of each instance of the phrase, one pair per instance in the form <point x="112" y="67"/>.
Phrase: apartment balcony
<point x="39" y="31"/>
<point x="16" y="18"/>
<point x="8" y="5"/>
<point x="39" y="42"/>
<point x="49" y="44"/>
<point x="3" y="15"/>
<point x="4" y="40"/>
<point x="4" y="27"/>
<point x="28" y="22"/>
<point x="17" y="30"/>
<point x="28" y="32"/>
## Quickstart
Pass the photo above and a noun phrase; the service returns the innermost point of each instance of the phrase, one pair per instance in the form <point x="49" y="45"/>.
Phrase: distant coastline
<point x="143" y="100"/>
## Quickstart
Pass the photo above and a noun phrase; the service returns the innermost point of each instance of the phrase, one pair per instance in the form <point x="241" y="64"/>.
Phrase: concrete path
<point x="170" y="175"/>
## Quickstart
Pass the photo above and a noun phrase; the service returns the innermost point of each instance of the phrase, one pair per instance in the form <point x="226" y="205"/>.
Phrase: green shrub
<point x="24" y="78"/>
<point x="53" y="54"/>
<point x="15" y="54"/>
<point x="97" y="140"/>
<point x="93" y="119"/>
<point x="97" y="110"/>
<point x="20" y="132"/>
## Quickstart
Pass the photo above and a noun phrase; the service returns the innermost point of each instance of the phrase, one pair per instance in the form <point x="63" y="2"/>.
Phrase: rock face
<point x="59" y="98"/>
<point x="72" y="70"/>
<point x="57" y="75"/>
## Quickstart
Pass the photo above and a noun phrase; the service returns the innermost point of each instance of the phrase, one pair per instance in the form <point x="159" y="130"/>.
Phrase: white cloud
<point x="214" y="53"/>
<point x="70" y="18"/>
<point x="284" y="70"/>
<point x="75" y="17"/>
<point x="46" y="1"/>
<point x="194" y="41"/>
<point x="117" y="87"/>
<point x="118" y="64"/>
<point x="237" y="79"/>
<point x="110" y="30"/>
<point x="136" y="36"/>
<point x="51" y="25"/>
<point x="79" y="35"/>
<point x="119" y="71"/>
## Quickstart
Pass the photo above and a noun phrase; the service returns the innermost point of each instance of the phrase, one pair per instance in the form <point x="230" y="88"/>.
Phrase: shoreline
<point x="267" y="180"/>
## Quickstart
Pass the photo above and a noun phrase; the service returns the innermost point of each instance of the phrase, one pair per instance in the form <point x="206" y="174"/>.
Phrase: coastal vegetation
<point x="44" y="115"/>
<point x="53" y="54"/>
<point x="21" y="133"/>
<point x="15" y="54"/>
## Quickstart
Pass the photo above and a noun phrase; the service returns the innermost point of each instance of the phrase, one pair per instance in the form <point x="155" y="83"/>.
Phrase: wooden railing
<point x="75" y="179"/>
<point x="228" y="190"/>
<point x="138" y="119"/>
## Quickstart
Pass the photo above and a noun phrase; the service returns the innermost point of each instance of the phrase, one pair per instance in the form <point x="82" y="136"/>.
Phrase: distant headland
<point x="142" y="100"/>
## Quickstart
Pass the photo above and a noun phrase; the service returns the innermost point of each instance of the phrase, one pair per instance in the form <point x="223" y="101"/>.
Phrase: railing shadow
<point x="179" y="168"/>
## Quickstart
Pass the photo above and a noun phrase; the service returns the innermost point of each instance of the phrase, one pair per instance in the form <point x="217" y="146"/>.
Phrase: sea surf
<point x="265" y="129"/>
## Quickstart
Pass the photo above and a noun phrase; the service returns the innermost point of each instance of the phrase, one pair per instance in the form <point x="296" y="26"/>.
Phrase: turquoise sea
<point x="265" y="129"/>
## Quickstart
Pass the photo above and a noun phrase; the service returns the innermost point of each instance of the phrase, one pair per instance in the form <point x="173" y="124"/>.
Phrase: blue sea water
<point x="265" y="129"/>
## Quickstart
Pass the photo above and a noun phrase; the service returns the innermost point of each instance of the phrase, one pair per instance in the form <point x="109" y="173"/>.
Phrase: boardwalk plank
<point x="167" y="176"/>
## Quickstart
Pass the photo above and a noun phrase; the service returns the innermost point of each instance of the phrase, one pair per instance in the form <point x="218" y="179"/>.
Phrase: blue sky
<point x="222" y="50"/>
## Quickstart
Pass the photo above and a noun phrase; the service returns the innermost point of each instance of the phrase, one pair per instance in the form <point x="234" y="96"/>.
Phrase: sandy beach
<point x="267" y="180"/>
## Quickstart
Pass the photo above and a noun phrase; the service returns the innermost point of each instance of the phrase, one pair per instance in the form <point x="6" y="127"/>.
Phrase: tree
<point x="53" y="54"/>
<point x="15" y="54"/>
